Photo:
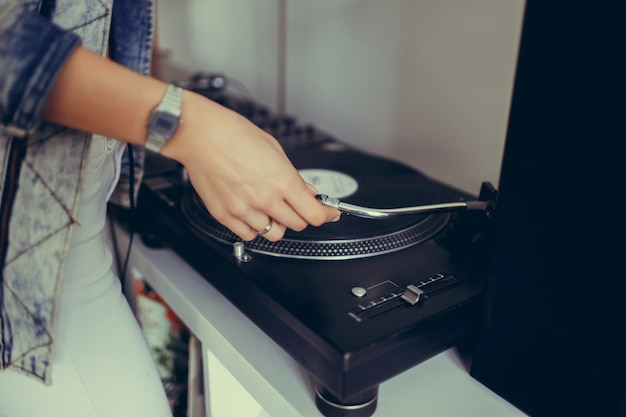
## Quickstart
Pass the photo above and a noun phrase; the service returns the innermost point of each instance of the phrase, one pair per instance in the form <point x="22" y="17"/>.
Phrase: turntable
<point x="354" y="302"/>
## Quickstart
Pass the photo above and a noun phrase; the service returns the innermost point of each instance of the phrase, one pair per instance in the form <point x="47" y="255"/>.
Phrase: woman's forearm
<point x="97" y="95"/>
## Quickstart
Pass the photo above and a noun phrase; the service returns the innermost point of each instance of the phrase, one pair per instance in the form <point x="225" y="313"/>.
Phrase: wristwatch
<point x="165" y="118"/>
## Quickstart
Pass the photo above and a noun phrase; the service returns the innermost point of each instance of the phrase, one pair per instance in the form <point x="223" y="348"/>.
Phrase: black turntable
<point x="354" y="302"/>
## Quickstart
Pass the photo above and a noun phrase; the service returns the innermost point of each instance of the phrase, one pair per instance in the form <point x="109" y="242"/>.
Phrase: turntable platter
<point x="359" y="178"/>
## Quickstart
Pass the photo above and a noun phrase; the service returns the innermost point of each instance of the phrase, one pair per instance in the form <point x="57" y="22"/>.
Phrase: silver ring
<point x="266" y="228"/>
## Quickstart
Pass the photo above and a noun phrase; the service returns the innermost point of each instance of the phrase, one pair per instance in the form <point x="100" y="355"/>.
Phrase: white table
<point x="246" y="374"/>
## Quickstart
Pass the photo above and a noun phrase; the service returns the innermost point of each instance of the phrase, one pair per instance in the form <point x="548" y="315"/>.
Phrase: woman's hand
<point x="241" y="173"/>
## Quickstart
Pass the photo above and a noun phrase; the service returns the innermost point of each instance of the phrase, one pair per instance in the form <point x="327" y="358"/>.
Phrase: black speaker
<point x="554" y="323"/>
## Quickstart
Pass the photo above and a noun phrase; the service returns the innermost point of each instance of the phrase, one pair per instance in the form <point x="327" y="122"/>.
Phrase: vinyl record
<point x="354" y="177"/>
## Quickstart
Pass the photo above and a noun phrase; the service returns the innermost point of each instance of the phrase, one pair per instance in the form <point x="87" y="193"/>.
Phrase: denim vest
<point x="33" y="50"/>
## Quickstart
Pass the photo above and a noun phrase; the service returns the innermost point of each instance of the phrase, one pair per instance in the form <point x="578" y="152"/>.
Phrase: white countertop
<point x="440" y="386"/>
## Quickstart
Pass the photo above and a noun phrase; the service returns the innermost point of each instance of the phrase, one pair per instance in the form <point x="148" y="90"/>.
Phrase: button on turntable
<point x="358" y="291"/>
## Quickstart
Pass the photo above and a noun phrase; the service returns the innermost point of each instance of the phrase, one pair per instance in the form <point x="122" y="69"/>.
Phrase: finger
<point x="284" y="214"/>
<point x="242" y="222"/>
<point x="240" y="228"/>
<point x="301" y="208"/>
<point x="263" y="200"/>
<point x="275" y="233"/>
<point x="261" y="223"/>
<point x="312" y="190"/>
<point x="237" y="215"/>
<point x="311" y="210"/>
<point x="334" y="215"/>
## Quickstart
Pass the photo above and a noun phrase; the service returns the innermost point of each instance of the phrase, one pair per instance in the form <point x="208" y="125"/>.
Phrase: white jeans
<point x="102" y="365"/>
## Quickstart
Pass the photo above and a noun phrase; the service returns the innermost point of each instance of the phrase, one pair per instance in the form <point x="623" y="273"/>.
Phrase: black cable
<point x="121" y="269"/>
<point x="116" y="251"/>
<point x="131" y="217"/>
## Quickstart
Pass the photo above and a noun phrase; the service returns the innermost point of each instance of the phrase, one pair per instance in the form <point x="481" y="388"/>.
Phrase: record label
<point x="333" y="183"/>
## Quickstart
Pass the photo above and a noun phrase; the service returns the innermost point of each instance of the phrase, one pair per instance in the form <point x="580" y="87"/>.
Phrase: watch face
<point x="163" y="124"/>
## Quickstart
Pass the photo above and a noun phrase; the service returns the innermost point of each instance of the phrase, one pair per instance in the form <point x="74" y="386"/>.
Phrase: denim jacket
<point x="33" y="50"/>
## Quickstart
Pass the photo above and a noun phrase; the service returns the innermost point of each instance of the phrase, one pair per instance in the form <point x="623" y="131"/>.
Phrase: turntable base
<point x="344" y="319"/>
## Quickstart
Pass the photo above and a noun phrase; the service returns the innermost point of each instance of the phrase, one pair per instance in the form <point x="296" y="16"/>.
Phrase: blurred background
<point x="424" y="82"/>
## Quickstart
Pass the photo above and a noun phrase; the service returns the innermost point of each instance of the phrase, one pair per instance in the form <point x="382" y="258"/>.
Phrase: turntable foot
<point x="361" y="405"/>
